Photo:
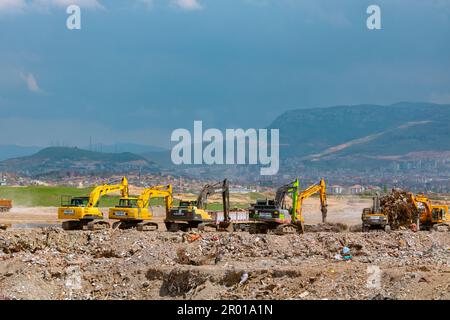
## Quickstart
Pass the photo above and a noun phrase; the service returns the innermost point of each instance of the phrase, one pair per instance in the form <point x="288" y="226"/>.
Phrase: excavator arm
<point x="209" y="189"/>
<point x="161" y="191"/>
<point x="282" y="191"/>
<point x="100" y="191"/>
<point x="222" y="187"/>
<point x="308" y="192"/>
<point x="420" y="198"/>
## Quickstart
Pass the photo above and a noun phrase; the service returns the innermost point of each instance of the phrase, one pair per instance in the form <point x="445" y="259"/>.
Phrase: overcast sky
<point x="140" y="68"/>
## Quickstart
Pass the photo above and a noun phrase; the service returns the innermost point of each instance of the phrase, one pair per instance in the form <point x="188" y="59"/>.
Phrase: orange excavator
<point x="430" y="215"/>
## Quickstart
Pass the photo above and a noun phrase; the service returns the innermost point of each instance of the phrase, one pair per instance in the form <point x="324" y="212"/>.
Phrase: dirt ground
<point x="344" y="209"/>
<point x="39" y="262"/>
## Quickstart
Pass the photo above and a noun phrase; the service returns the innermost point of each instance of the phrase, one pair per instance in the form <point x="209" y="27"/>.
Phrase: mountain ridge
<point x="72" y="159"/>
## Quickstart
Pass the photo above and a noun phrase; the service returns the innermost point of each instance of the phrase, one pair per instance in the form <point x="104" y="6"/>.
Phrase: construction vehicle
<point x="430" y="215"/>
<point x="275" y="215"/>
<point x="83" y="213"/>
<point x="5" y="205"/>
<point x="321" y="189"/>
<point x="135" y="212"/>
<point x="191" y="214"/>
<point x="374" y="217"/>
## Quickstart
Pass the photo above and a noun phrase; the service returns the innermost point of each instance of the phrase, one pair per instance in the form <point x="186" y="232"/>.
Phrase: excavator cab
<point x="439" y="214"/>
<point x="127" y="203"/>
<point x="68" y="201"/>
<point x="267" y="210"/>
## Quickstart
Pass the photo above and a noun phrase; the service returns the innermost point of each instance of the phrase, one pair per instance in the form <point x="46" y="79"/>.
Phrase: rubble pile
<point x="128" y="264"/>
<point x="399" y="209"/>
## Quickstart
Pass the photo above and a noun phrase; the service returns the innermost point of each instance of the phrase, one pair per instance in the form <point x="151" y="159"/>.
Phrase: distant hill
<point x="13" y="151"/>
<point x="356" y="137"/>
<point x="64" y="159"/>
<point x="125" y="147"/>
<point x="364" y="132"/>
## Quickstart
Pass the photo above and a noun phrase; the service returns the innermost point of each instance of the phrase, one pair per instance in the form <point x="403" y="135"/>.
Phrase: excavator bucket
<point x="226" y="226"/>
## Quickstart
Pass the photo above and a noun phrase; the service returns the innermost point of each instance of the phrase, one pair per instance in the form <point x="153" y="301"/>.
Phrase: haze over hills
<point x="124" y="147"/>
<point x="364" y="131"/>
<point x="359" y="137"/>
<point x="64" y="159"/>
<point x="13" y="151"/>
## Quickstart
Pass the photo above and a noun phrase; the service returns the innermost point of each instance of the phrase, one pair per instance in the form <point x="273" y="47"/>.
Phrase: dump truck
<point x="374" y="217"/>
<point x="82" y="213"/>
<point x="5" y="205"/>
<point x="192" y="214"/>
<point x="135" y="213"/>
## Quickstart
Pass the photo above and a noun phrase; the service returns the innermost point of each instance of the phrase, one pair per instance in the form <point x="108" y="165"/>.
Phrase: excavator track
<point x="208" y="227"/>
<point x="283" y="229"/>
<point x="147" y="226"/>
<point x="97" y="225"/>
<point x="72" y="225"/>
<point x="441" y="227"/>
<point x="258" y="228"/>
<point x="177" y="226"/>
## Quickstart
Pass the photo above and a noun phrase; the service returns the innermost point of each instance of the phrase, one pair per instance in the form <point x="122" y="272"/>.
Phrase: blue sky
<point x="139" y="68"/>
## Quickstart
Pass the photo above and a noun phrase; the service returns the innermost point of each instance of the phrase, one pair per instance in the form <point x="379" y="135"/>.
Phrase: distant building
<point x="336" y="189"/>
<point x="374" y="188"/>
<point x="356" y="189"/>
<point x="241" y="190"/>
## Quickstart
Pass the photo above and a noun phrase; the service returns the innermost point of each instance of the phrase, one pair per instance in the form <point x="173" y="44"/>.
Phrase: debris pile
<point x="399" y="209"/>
<point x="128" y="264"/>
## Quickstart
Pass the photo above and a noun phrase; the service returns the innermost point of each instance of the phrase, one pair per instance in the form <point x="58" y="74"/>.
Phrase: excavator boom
<point x="161" y="191"/>
<point x="320" y="188"/>
<point x="105" y="189"/>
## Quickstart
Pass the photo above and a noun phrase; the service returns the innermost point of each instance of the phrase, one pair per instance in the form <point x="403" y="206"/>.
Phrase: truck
<point x="5" y="205"/>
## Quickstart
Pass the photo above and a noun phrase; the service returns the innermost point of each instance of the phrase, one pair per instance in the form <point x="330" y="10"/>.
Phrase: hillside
<point x="364" y="131"/>
<point x="124" y="147"/>
<point x="73" y="160"/>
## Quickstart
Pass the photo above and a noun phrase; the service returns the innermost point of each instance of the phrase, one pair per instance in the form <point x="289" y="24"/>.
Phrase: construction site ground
<point x="38" y="260"/>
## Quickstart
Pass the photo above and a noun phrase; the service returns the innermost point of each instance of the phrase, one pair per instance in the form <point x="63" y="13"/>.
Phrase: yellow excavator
<point x="430" y="215"/>
<point x="135" y="212"/>
<point x="83" y="213"/>
<point x="297" y="215"/>
<point x="192" y="214"/>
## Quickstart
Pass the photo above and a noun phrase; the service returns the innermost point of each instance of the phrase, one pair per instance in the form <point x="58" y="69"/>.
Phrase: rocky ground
<point x="50" y="263"/>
